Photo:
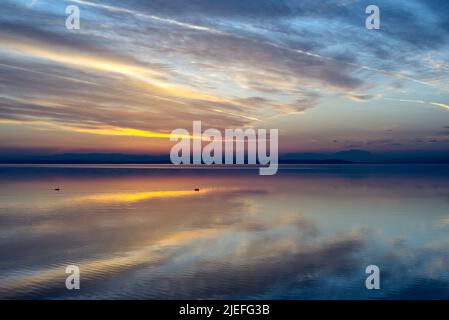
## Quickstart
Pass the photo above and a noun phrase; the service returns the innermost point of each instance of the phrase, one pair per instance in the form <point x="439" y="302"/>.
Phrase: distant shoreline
<point x="346" y="157"/>
<point x="223" y="165"/>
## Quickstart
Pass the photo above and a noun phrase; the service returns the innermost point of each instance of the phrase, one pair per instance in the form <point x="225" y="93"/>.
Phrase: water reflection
<point x="306" y="233"/>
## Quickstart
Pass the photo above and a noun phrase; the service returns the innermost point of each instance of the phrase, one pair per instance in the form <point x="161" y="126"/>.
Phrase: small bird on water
<point x="197" y="189"/>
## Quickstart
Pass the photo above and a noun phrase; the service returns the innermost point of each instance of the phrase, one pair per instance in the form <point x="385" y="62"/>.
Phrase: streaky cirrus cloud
<point x="141" y="69"/>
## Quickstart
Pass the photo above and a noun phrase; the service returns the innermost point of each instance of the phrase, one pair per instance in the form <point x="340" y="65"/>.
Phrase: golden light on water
<point x="140" y="196"/>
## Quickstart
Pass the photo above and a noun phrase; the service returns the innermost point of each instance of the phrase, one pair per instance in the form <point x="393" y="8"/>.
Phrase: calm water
<point x="143" y="232"/>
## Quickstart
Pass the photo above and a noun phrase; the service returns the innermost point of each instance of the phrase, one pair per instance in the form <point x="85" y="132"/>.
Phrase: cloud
<point x="441" y="105"/>
<point x="138" y="14"/>
<point x="364" y="97"/>
<point x="155" y="66"/>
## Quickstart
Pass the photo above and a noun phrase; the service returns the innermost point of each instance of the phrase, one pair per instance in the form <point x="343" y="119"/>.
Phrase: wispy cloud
<point x="143" y="69"/>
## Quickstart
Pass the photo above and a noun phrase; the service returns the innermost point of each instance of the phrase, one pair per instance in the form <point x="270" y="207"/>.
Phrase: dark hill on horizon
<point x="345" y="156"/>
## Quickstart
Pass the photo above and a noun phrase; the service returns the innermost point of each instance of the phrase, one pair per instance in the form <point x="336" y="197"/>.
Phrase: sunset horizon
<point x="123" y="87"/>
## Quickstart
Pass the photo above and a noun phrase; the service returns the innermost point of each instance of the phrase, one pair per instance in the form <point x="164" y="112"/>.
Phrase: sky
<point x="136" y="70"/>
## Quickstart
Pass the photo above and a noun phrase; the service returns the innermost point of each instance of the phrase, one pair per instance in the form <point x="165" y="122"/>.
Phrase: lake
<point x="143" y="232"/>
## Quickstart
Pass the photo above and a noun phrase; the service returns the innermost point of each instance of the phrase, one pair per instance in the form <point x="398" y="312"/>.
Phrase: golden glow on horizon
<point x="106" y="131"/>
